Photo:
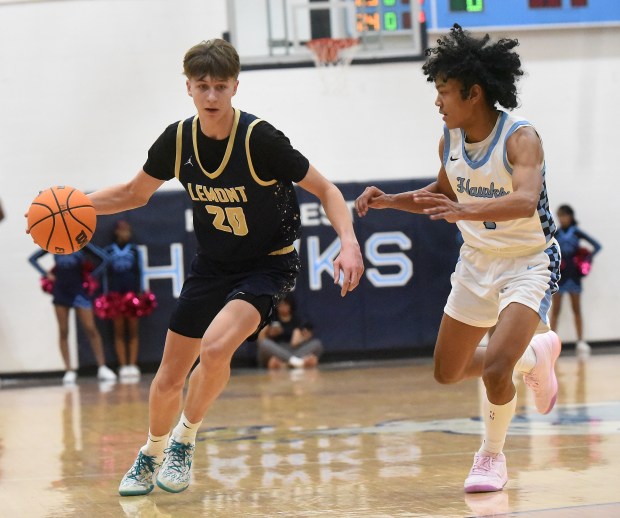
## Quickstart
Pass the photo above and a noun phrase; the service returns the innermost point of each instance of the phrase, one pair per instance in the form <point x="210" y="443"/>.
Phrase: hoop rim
<point x="328" y="51"/>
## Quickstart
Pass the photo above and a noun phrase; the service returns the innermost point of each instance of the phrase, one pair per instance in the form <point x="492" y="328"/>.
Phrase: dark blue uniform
<point x="246" y="215"/>
<point x="123" y="271"/>
<point x="569" y="239"/>
<point x="69" y="288"/>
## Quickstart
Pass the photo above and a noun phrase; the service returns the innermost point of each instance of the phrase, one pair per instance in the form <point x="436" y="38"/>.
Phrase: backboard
<point x="273" y="33"/>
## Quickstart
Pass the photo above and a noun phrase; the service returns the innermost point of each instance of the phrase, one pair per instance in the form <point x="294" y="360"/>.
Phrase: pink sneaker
<point x="542" y="380"/>
<point x="488" y="473"/>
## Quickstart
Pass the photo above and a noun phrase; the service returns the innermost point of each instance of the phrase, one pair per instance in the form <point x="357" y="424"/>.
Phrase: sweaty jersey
<point x="487" y="175"/>
<point x="240" y="212"/>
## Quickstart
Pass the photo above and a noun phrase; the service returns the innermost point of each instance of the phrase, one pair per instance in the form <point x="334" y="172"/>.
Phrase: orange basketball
<point x="61" y="220"/>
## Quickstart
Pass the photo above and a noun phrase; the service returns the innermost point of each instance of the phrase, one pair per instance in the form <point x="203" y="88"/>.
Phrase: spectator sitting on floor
<point x="288" y="341"/>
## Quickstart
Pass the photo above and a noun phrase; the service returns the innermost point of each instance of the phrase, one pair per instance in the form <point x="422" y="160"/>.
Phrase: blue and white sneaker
<point x="174" y="473"/>
<point x="139" y="479"/>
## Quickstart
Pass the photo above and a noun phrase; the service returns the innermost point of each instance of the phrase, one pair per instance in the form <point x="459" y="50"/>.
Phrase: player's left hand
<point x="351" y="264"/>
<point x="439" y="206"/>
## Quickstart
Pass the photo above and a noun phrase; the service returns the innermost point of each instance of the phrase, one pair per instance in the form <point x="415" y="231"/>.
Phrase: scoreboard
<point x="383" y="15"/>
<point x="442" y="14"/>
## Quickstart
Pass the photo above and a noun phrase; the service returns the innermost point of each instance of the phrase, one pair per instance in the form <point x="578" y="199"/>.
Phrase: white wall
<point x="85" y="88"/>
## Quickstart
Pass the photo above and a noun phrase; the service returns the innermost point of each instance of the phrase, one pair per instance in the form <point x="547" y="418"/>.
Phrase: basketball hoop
<point x="332" y="57"/>
<point x="333" y="51"/>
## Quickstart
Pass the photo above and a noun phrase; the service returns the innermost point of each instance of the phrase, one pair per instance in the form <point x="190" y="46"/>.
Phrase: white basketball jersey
<point x="489" y="175"/>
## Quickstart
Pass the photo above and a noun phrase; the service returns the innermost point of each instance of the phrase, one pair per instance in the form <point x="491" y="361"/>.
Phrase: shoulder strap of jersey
<point x="258" y="180"/>
<point x="179" y="148"/>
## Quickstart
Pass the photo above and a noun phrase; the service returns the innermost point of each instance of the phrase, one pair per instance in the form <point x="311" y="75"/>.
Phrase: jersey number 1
<point x="231" y="219"/>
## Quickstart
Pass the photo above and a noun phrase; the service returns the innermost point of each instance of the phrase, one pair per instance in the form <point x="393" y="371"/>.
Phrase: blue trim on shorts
<point x="545" y="304"/>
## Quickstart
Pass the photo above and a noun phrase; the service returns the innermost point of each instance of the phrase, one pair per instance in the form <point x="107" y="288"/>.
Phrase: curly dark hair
<point x="493" y="66"/>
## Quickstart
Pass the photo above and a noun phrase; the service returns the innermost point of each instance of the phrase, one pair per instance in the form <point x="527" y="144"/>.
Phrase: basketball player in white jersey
<point x="491" y="183"/>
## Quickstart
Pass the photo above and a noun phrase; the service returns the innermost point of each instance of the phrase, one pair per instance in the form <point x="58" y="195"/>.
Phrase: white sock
<point x="155" y="446"/>
<point x="185" y="431"/>
<point x="496" y="422"/>
<point x="527" y="362"/>
<point x="296" y="361"/>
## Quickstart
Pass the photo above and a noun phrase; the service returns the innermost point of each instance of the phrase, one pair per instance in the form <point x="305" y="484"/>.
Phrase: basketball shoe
<point x="174" y="473"/>
<point x="139" y="479"/>
<point x="542" y="379"/>
<point x="488" y="473"/>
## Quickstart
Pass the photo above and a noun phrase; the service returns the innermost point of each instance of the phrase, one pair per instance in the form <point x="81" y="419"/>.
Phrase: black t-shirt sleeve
<point x="274" y="157"/>
<point x="160" y="161"/>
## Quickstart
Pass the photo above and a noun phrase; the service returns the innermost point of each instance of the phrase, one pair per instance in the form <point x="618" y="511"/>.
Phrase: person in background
<point x="123" y="278"/>
<point x="69" y="282"/>
<point x="575" y="265"/>
<point x="287" y="340"/>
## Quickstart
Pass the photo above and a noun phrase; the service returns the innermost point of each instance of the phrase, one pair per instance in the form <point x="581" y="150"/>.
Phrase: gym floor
<point x="376" y="439"/>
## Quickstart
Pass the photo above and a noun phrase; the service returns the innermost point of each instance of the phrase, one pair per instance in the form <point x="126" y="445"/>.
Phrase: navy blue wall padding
<point x="397" y="307"/>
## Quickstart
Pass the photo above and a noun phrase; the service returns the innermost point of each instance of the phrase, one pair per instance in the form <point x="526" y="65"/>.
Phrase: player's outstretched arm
<point x="374" y="198"/>
<point x="349" y="260"/>
<point x="125" y="196"/>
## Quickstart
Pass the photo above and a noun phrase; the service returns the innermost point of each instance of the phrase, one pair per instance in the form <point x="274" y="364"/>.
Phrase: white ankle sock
<point x="527" y="362"/>
<point x="155" y="446"/>
<point x="185" y="431"/>
<point x="496" y="422"/>
<point x="296" y="362"/>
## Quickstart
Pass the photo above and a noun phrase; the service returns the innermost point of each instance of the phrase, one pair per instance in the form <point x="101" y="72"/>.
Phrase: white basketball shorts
<point x="484" y="284"/>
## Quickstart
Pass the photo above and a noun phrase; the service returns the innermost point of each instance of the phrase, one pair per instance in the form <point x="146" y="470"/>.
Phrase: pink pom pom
<point x="47" y="284"/>
<point x="90" y="284"/>
<point x="148" y="303"/>
<point x="583" y="261"/>
<point x="108" y="306"/>
<point x="130" y="304"/>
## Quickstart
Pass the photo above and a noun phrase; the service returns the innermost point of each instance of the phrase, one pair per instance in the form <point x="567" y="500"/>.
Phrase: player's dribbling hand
<point x="371" y="198"/>
<point x="351" y="264"/>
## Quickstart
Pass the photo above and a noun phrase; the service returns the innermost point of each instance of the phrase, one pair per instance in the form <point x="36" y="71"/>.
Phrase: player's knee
<point x="496" y="374"/>
<point x="215" y="352"/>
<point x="446" y="376"/>
<point x="167" y="383"/>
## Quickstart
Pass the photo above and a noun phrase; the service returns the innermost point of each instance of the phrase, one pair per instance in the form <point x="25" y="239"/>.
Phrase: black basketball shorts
<point x="210" y="286"/>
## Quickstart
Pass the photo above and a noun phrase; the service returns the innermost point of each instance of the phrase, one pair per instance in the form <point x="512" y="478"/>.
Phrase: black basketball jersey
<point x="237" y="214"/>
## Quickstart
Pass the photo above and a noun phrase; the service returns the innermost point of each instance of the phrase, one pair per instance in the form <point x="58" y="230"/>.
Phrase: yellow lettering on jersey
<point x="221" y="195"/>
<point x="241" y="190"/>
<point x="199" y="192"/>
<point x="190" y="191"/>
<point x="232" y="194"/>
<point x="206" y="194"/>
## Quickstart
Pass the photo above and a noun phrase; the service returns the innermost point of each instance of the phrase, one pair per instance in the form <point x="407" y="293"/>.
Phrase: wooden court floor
<point x="348" y="440"/>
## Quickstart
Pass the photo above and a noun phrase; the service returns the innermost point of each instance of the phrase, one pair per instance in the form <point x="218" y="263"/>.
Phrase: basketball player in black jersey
<point x="239" y="172"/>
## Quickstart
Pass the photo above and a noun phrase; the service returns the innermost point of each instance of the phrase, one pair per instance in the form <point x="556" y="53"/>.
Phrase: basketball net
<point x="332" y="56"/>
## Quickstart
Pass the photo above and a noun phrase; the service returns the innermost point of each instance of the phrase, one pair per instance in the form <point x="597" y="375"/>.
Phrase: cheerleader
<point x="123" y="300"/>
<point x="71" y="283"/>
<point x="576" y="262"/>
